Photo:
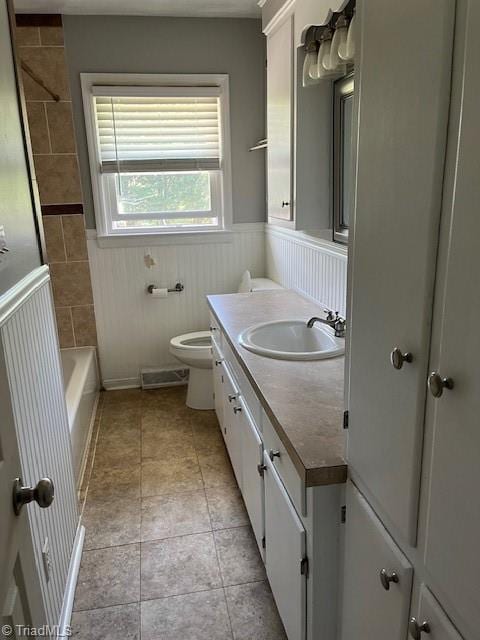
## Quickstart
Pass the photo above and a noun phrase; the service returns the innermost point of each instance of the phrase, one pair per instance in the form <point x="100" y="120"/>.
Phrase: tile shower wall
<point x="41" y="49"/>
<point x="316" y="268"/>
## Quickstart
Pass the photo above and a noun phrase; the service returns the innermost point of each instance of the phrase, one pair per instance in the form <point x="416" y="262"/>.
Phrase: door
<point x="454" y="507"/>
<point x="21" y="600"/>
<point x="403" y="100"/>
<point x="35" y="444"/>
<point x="431" y="617"/>
<point x="377" y="578"/>
<point x="279" y="120"/>
<point x="252" y="474"/>
<point x="218" y="384"/>
<point x="285" y="554"/>
<point x="231" y="424"/>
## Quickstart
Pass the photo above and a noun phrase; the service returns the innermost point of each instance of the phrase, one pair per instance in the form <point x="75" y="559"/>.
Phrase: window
<point x="342" y="157"/>
<point x="159" y="153"/>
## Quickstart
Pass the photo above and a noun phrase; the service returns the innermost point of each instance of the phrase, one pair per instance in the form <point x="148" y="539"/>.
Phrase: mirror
<point x="342" y="157"/>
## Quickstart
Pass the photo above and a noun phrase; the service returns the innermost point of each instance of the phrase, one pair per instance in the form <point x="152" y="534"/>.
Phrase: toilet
<point x="195" y="350"/>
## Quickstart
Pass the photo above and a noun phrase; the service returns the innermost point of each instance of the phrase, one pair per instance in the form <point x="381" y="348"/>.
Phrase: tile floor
<point x="169" y="553"/>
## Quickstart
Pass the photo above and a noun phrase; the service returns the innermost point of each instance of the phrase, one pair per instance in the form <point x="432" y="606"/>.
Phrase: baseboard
<point x="69" y="594"/>
<point x="121" y="383"/>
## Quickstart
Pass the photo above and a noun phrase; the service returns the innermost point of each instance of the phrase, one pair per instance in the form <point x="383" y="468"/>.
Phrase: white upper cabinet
<point x="403" y="86"/>
<point x="377" y="577"/>
<point x="453" y="528"/>
<point x="279" y="120"/>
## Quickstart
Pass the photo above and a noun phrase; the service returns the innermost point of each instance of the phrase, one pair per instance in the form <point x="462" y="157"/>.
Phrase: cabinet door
<point x="279" y="120"/>
<point x="231" y="423"/>
<point x="285" y="549"/>
<point x="252" y="489"/>
<point x="218" y="384"/>
<point x="440" y="627"/>
<point x="369" y="610"/>
<point x="400" y="159"/>
<point x="453" y="529"/>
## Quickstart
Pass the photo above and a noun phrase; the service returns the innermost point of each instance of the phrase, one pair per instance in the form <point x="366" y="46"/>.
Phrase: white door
<point x="233" y="436"/>
<point x="218" y="384"/>
<point x="431" y="621"/>
<point x="377" y="579"/>
<point x="34" y="430"/>
<point x="279" y="120"/>
<point x="21" y="602"/>
<point x="252" y="473"/>
<point x="454" y="506"/>
<point x="285" y="554"/>
<point x="403" y="86"/>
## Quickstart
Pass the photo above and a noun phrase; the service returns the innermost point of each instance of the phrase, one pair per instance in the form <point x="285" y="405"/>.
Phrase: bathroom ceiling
<point x="184" y="8"/>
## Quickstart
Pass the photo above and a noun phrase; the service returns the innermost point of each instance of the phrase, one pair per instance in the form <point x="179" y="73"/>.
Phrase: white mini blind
<point x="177" y="129"/>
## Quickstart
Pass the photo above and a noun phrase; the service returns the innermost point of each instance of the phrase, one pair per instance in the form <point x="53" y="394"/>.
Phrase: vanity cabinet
<point x="414" y="437"/>
<point x="297" y="528"/>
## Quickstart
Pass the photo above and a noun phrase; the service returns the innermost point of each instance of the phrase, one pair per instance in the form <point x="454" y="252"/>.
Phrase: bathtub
<point x="81" y="380"/>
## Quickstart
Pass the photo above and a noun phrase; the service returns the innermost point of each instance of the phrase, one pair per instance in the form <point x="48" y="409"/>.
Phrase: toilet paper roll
<point x="159" y="293"/>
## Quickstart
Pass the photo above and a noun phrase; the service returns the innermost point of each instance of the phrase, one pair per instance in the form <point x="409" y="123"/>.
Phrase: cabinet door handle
<point x="386" y="578"/>
<point x="237" y="409"/>
<point x="212" y="328"/>
<point x="437" y="384"/>
<point x="232" y="396"/>
<point x="285" y="203"/>
<point x="273" y="454"/>
<point x="218" y="362"/>
<point x="416" y="629"/>
<point x="397" y="358"/>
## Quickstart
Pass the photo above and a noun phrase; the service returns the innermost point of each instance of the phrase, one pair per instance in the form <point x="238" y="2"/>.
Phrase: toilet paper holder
<point x="178" y="288"/>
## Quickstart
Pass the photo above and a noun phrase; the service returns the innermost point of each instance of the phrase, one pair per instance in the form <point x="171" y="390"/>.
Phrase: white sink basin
<point x="292" y="340"/>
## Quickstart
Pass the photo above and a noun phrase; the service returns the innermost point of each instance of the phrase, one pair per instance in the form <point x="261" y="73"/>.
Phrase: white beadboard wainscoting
<point x="314" y="267"/>
<point x="134" y="329"/>
<point x="29" y="344"/>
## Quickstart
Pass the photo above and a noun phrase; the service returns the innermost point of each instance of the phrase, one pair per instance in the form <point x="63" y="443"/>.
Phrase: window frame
<point x="342" y="89"/>
<point x="221" y="180"/>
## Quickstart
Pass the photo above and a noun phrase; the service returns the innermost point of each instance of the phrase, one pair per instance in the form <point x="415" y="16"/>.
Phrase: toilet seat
<point x="200" y="341"/>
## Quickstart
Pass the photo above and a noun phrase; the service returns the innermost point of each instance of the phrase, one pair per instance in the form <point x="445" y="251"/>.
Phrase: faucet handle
<point x="330" y="314"/>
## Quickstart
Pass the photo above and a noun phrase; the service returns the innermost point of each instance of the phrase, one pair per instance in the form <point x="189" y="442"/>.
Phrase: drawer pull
<point x="416" y="629"/>
<point x="273" y="454"/>
<point x="386" y="579"/>
<point x="237" y="409"/>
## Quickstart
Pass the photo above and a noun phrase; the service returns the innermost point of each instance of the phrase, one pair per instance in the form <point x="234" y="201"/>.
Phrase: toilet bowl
<point x="194" y="350"/>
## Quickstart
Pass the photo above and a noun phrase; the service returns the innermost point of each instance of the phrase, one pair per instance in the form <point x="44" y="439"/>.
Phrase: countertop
<point x="303" y="399"/>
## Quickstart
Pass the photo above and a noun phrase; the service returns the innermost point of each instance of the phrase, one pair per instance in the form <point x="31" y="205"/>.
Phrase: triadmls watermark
<point x="45" y="631"/>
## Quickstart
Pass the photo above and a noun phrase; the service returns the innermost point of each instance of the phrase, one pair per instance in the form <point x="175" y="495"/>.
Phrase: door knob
<point x="416" y="629"/>
<point x="387" y="578"/>
<point x="397" y="358"/>
<point x="437" y="384"/>
<point x="43" y="494"/>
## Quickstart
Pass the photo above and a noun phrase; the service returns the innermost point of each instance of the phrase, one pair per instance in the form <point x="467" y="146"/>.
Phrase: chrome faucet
<point x="333" y="320"/>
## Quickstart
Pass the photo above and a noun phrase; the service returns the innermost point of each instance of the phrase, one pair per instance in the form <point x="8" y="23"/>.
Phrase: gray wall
<point x="180" y="45"/>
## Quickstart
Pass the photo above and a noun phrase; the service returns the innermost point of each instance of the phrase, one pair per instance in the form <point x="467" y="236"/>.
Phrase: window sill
<point x="222" y="236"/>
